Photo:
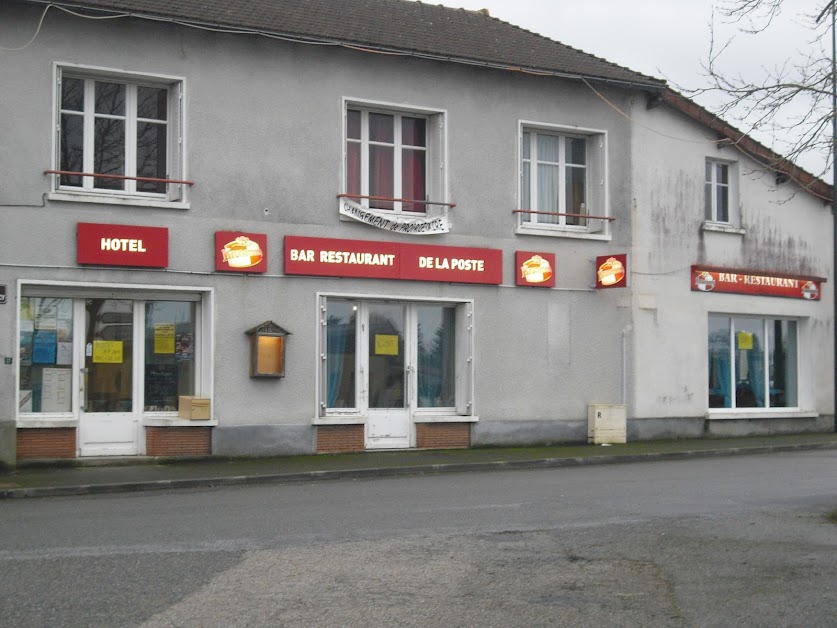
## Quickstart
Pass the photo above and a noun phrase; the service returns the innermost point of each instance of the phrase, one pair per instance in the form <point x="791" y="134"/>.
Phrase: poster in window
<point x="26" y="309"/>
<point x="44" y="346"/>
<point x="386" y="344"/>
<point x="64" y="353"/>
<point x="55" y="391"/>
<point x="164" y="338"/>
<point x="107" y="351"/>
<point x="745" y="340"/>
<point x="184" y="346"/>
<point x="46" y="317"/>
<point x="26" y="341"/>
<point x="64" y="328"/>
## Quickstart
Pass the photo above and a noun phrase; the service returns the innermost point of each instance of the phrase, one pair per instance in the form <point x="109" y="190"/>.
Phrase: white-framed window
<point x="720" y="192"/>
<point x="409" y="355"/>
<point x="753" y="362"/>
<point x="118" y="136"/>
<point x="393" y="158"/>
<point x="563" y="189"/>
<point x="87" y="349"/>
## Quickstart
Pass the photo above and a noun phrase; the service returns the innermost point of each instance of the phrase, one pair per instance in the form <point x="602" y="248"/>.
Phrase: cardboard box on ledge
<point x="193" y="408"/>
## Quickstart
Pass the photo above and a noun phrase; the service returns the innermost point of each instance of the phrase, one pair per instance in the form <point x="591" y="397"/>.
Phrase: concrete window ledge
<point x="444" y="418"/>
<point x="175" y="421"/>
<point x="27" y="423"/>
<point x="793" y="414"/>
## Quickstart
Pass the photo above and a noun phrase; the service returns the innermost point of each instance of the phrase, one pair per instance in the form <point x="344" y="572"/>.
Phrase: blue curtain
<point x="755" y="366"/>
<point x="721" y="372"/>
<point x="335" y="349"/>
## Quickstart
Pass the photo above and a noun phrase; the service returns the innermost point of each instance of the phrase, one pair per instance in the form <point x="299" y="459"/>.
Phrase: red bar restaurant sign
<point x="706" y="279"/>
<point x="122" y="245"/>
<point x="327" y="257"/>
<point x="240" y="252"/>
<point x="534" y="269"/>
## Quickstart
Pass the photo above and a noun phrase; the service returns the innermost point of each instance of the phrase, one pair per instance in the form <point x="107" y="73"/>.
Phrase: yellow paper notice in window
<point x="107" y="351"/>
<point x="745" y="340"/>
<point x="164" y="338"/>
<point x="386" y="344"/>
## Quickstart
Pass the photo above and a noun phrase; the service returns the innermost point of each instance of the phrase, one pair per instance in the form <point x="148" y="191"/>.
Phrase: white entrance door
<point x="388" y="378"/>
<point x="108" y="416"/>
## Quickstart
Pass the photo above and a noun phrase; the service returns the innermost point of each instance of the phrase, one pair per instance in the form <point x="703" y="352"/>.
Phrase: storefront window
<point x="436" y="356"/>
<point x="46" y="354"/>
<point x="169" y="353"/>
<point x="340" y="354"/>
<point x="752" y="362"/>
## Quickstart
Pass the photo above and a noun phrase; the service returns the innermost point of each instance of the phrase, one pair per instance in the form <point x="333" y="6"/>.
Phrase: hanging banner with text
<point x="398" y="223"/>
<point x="706" y="279"/>
<point x="327" y="257"/>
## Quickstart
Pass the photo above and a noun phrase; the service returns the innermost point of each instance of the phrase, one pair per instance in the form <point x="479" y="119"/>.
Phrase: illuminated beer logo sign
<point x="612" y="271"/>
<point x="242" y="253"/>
<point x="536" y="270"/>
<point x="810" y="291"/>
<point x="705" y="282"/>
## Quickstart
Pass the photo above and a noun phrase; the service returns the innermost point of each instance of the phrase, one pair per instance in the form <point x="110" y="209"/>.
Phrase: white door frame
<point x="389" y="428"/>
<point x="108" y="433"/>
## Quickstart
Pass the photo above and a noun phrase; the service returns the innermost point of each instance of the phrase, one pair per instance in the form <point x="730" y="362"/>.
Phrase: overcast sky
<point x="664" y="38"/>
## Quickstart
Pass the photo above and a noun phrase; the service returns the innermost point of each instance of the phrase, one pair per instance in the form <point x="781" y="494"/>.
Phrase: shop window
<point x="562" y="182"/>
<point x="753" y="362"/>
<point x="169" y="354"/>
<point x="389" y="159"/>
<point x="395" y="355"/>
<point x="45" y="355"/>
<point x="119" y="137"/>
<point x="94" y="355"/>
<point x="721" y="192"/>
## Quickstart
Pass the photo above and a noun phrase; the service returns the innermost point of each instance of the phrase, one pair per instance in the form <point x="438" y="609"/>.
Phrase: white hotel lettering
<point x="123" y="244"/>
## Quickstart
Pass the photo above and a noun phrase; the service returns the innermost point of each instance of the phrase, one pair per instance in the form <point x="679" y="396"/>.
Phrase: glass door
<point x="108" y="421"/>
<point x="389" y="423"/>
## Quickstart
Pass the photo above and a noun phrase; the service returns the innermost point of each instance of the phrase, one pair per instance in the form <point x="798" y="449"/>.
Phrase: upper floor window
<point x="721" y="193"/>
<point x="119" y="137"/>
<point x="562" y="186"/>
<point x="388" y="159"/>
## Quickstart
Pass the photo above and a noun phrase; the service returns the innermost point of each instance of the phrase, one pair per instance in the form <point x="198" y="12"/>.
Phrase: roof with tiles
<point x="404" y="26"/>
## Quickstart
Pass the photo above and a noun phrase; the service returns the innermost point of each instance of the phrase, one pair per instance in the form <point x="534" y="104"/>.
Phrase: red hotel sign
<point x="327" y="257"/>
<point x="706" y="279"/>
<point x="122" y="245"/>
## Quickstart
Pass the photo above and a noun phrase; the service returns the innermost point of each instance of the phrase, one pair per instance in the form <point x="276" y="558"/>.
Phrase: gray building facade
<point x="457" y="247"/>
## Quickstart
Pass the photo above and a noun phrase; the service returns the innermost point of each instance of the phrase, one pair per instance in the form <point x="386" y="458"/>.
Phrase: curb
<point x="384" y="472"/>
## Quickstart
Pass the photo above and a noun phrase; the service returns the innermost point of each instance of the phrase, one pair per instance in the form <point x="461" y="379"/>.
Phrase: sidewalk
<point x="112" y="475"/>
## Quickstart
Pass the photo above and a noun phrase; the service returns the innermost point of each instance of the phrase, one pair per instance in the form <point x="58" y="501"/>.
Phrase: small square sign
<point x="612" y="271"/>
<point x="534" y="269"/>
<point x="240" y="252"/>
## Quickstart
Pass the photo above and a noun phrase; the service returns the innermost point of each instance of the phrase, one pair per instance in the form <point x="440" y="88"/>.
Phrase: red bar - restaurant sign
<point x="327" y="257"/>
<point x="122" y="245"/>
<point x="707" y="279"/>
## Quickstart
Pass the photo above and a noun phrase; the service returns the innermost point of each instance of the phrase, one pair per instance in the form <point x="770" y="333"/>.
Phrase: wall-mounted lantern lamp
<point x="267" y="350"/>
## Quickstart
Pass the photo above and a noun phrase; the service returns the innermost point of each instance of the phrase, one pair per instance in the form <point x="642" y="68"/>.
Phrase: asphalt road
<point x="740" y="541"/>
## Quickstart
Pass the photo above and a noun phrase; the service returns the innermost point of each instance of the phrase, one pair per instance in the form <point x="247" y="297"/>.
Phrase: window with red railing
<point x="118" y="136"/>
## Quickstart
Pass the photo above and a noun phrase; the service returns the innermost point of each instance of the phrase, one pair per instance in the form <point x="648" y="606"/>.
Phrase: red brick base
<point x="178" y="441"/>
<point x="443" y="435"/>
<point x="336" y="438"/>
<point x="46" y="442"/>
